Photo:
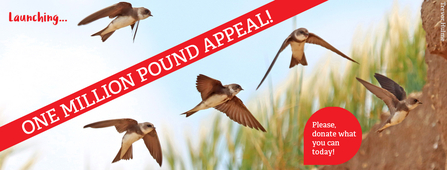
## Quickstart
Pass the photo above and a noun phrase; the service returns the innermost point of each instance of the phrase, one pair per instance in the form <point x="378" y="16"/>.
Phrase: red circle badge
<point x="332" y="136"/>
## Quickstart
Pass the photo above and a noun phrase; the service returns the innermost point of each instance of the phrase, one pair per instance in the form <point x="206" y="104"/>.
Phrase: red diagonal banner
<point x="151" y="69"/>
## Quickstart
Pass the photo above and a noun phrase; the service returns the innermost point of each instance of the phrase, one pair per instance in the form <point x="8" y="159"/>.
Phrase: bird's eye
<point x="149" y="125"/>
<point x="146" y="11"/>
<point x="415" y="100"/>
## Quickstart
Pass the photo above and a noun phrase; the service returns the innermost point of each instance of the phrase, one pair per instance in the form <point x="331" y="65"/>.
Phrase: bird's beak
<point x="420" y="102"/>
<point x="151" y="15"/>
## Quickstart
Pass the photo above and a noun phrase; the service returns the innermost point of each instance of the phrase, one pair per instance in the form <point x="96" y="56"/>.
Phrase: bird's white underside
<point x="297" y="49"/>
<point x="119" y="22"/>
<point x="128" y="139"/>
<point x="213" y="101"/>
<point x="398" y="117"/>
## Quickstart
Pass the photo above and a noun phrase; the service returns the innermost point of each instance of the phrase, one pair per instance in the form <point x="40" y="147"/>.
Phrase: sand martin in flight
<point x="134" y="131"/>
<point x="394" y="97"/>
<point x="297" y="39"/>
<point x="223" y="98"/>
<point x="125" y="16"/>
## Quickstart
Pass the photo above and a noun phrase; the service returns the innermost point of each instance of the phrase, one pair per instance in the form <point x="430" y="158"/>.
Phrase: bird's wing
<point x="237" y="112"/>
<point x="153" y="145"/>
<point x="389" y="98"/>
<point x="207" y="85"/>
<point x="111" y="12"/>
<point x="283" y="46"/>
<point x="121" y="125"/>
<point x="136" y="29"/>
<point x="314" y="39"/>
<point x="391" y="86"/>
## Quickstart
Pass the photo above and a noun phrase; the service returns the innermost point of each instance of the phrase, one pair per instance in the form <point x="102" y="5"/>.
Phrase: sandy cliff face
<point x="434" y="21"/>
<point x="437" y="92"/>
<point x="419" y="142"/>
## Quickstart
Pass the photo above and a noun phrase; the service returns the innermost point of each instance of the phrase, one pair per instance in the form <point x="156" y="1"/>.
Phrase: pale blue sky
<point x="41" y="63"/>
